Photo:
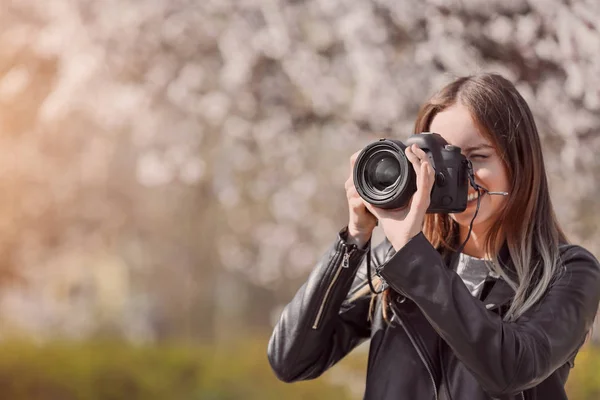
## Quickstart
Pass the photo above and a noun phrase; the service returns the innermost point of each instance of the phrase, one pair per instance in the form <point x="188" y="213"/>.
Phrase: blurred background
<point x="172" y="169"/>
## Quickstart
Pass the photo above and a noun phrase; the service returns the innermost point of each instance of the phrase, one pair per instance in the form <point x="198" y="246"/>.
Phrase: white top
<point x="473" y="271"/>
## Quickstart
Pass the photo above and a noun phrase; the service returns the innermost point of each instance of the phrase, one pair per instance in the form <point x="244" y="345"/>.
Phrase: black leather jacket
<point x="442" y="343"/>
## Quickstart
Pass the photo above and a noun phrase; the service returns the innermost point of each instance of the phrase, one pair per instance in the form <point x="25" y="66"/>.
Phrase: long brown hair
<point x="527" y="223"/>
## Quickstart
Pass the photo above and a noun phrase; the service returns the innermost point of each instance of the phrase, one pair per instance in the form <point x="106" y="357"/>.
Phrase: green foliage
<point x="232" y="371"/>
<point x="115" y="371"/>
<point x="584" y="379"/>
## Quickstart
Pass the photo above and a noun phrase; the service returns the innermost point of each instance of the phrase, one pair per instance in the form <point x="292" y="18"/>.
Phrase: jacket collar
<point x="501" y="292"/>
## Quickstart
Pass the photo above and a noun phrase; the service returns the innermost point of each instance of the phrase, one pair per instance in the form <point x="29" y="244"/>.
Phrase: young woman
<point x="502" y="319"/>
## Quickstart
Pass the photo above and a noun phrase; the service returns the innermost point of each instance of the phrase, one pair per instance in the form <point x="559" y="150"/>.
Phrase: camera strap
<point x="384" y="284"/>
<point x="479" y="189"/>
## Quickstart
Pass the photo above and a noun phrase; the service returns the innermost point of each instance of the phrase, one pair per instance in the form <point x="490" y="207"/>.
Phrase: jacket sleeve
<point x="320" y="326"/>
<point x="505" y="357"/>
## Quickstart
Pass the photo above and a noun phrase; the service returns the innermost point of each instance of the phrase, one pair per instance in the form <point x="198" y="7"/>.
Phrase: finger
<point x="355" y="204"/>
<point x="422" y="197"/>
<point x="414" y="160"/>
<point x="419" y="153"/>
<point x="351" y="189"/>
<point x="353" y="194"/>
<point x="349" y="184"/>
<point x="412" y="157"/>
<point x="370" y="208"/>
<point x="429" y="180"/>
<point x="353" y="158"/>
<point x="424" y="158"/>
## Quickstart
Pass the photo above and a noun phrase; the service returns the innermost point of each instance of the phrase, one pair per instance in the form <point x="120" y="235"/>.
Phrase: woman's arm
<point x="505" y="357"/>
<point x="319" y="326"/>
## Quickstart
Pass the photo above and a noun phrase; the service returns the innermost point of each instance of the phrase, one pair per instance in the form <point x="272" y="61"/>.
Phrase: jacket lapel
<point x="501" y="292"/>
<point x="499" y="296"/>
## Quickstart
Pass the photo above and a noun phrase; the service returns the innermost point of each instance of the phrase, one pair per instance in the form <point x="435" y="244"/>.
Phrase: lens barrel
<point x="383" y="176"/>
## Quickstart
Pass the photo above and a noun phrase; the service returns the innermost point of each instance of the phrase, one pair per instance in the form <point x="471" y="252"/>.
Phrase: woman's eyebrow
<point x="478" y="147"/>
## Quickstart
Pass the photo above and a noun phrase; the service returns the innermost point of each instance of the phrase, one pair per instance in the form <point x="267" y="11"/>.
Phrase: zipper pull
<point x="346" y="258"/>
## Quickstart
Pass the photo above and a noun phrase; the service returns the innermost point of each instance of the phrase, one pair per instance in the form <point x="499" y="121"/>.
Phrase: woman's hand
<point x="361" y="222"/>
<point x="403" y="224"/>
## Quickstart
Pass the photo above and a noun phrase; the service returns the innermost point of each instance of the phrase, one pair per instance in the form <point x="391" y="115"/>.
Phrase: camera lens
<point x="384" y="173"/>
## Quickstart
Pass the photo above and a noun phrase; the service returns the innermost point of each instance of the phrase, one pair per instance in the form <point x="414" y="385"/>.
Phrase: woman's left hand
<point x="401" y="225"/>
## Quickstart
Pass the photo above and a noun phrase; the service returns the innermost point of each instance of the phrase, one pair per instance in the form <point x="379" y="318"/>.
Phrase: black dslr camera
<point x="384" y="177"/>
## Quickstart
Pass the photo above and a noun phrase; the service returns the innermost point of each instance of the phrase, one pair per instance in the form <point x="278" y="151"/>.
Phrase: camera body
<point x="384" y="177"/>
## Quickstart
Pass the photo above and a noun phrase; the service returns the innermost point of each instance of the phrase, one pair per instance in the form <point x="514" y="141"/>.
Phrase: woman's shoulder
<point x="577" y="256"/>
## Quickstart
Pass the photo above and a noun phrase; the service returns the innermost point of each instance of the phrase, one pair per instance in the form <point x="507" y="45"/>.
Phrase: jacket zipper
<point x="345" y="264"/>
<point x="420" y="353"/>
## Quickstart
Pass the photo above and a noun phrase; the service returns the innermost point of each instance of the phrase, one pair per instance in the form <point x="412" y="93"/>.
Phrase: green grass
<point x="107" y="371"/>
<point x="111" y="371"/>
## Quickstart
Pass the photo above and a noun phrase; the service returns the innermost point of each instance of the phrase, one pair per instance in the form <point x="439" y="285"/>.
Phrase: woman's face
<point x="457" y="127"/>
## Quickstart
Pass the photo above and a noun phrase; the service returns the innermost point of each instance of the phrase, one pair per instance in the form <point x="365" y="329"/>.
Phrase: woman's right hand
<point x="361" y="222"/>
